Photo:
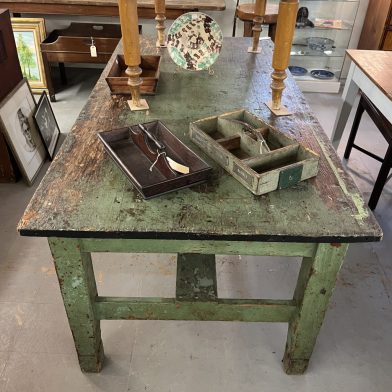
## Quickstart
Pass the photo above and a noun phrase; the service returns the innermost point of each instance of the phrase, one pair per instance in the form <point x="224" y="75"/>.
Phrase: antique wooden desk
<point x="371" y="72"/>
<point x="174" y="8"/>
<point x="85" y="204"/>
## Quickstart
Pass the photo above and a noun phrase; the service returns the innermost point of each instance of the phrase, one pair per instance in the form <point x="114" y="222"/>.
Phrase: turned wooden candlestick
<point x="131" y="44"/>
<point x="283" y="39"/>
<point x="259" y="12"/>
<point x="160" y="10"/>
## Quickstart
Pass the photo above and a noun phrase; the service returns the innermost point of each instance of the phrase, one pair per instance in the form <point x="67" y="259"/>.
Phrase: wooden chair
<point x="245" y="12"/>
<point x="385" y="127"/>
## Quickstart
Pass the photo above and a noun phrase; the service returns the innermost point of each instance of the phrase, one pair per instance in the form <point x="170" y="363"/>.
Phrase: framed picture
<point x="29" y="33"/>
<point x="17" y="124"/>
<point x="47" y="124"/>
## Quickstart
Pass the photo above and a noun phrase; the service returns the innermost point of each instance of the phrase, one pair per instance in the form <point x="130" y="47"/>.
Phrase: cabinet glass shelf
<point x="299" y="50"/>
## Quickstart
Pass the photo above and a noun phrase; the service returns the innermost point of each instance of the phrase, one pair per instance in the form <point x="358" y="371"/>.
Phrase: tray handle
<point x="158" y="158"/>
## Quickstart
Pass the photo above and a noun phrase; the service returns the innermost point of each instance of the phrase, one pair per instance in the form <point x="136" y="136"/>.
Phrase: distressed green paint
<point x="354" y="195"/>
<point x="250" y="248"/>
<point x="290" y="177"/>
<point x="196" y="277"/>
<point x="314" y="288"/>
<point x="77" y="284"/>
<point x="84" y="195"/>
<point x="93" y="198"/>
<point x="112" y="308"/>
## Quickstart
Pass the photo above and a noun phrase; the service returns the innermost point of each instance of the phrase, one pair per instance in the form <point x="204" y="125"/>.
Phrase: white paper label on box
<point x="93" y="51"/>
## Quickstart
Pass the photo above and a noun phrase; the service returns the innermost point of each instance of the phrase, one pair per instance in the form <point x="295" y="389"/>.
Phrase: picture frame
<point x="46" y="123"/>
<point x="28" y="34"/>
<point x="18" y="127"/>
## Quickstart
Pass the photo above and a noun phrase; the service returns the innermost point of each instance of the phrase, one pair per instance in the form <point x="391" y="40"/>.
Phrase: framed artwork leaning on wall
<point x="47" y="124"/>
<point x="29" y="33"/>
<point x="17" y="124"/>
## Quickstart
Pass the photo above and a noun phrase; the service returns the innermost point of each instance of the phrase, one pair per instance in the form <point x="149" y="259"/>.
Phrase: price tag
<point x="93" y="49"/>
<point x="177" y="166"/>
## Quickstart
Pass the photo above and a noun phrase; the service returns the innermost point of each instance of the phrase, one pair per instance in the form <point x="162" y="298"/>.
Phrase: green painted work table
<point x="85" y="204"/>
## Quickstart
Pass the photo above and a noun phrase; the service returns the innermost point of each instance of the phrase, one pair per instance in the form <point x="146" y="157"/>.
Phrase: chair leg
<point x="381" y="179"/>
<point x="235" y="19"/>
<point x="272" y="31"/>
<point x="248" y="29"/>
<point x="354" y="129"/>
<point x="234" y="26"/>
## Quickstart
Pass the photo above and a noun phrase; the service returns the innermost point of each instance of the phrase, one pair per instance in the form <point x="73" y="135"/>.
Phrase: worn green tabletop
<point x="85" y="195"/>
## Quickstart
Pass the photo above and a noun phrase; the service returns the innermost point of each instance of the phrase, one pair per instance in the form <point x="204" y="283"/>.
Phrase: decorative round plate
<point x="194" y="41"/>
<point x="297" y="71"/>
<point x="322" y="74"/>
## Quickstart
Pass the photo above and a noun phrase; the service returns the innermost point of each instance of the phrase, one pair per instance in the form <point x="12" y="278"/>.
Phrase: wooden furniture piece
<point x="10" y="76"/>
<point x="117" y="79"/>
<point x="10" y="71"/>
<point x="385" y="127"/>
<point x="287" y="15"/>
<point x="260" y="157"/>
<point x="174" y="8"/>
<point x="258" y="13"/>
<point x="371" y="72"/>
<point x="377" y="28"/>
<point x="245" y="13"/>
<point x="130" y="33"/>
<point x="85" y="204"/>
<point x="8" y="168"/>
<point x="160" y="10"/>
<point x="72" y="45"/>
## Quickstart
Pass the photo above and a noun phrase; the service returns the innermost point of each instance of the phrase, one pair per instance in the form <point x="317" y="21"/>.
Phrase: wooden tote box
<point x="260" y="157"/>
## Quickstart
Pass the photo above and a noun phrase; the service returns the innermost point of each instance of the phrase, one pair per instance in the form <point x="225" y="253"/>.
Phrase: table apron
<point x="378" y="98"/>
<point x="246" y="248"/>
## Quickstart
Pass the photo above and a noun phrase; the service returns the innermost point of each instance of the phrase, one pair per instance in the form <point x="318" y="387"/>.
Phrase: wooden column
<point x="130" y="35"/>
<point x="257" y="21"/>
<point x="160" y="10"/>
<point x="287" y="15"/>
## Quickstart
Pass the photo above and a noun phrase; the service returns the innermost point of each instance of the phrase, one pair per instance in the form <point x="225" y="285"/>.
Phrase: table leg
<point x="48" y="77"/>
<point x="349" y="94"/>
<point x="63" y="75"/>
<point x="316" y="282"/>
<point x="77" y="283"/>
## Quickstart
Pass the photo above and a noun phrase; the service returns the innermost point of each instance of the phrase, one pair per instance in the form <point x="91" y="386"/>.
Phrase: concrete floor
<point x="353" y="350"/>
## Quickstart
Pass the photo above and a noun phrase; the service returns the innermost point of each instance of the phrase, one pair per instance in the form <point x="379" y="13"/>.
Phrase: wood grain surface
<point x="69" y="6"/>
<point x="377" y="65"/>
<point x="85" y="195"/>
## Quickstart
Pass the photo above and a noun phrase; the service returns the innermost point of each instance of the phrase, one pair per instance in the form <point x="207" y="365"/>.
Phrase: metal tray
<point x="141" y="155"/>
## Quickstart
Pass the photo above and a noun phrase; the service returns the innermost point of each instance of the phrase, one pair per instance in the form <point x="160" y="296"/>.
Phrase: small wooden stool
<point x="245" y="12"/>
<point x="385" y="127"/>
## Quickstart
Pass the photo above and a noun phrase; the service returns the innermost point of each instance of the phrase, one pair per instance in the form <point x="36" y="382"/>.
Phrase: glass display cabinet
<point x="322" y="34"/>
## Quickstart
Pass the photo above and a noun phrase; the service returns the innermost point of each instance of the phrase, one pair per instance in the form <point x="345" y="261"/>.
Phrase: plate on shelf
<point x="194" y="41"/>
<point x="297" y="71"/>
<point x="322" y="74"/>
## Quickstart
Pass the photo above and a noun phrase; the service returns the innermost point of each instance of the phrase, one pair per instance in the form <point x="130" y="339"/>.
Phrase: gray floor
<point x="353" y="351"/>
